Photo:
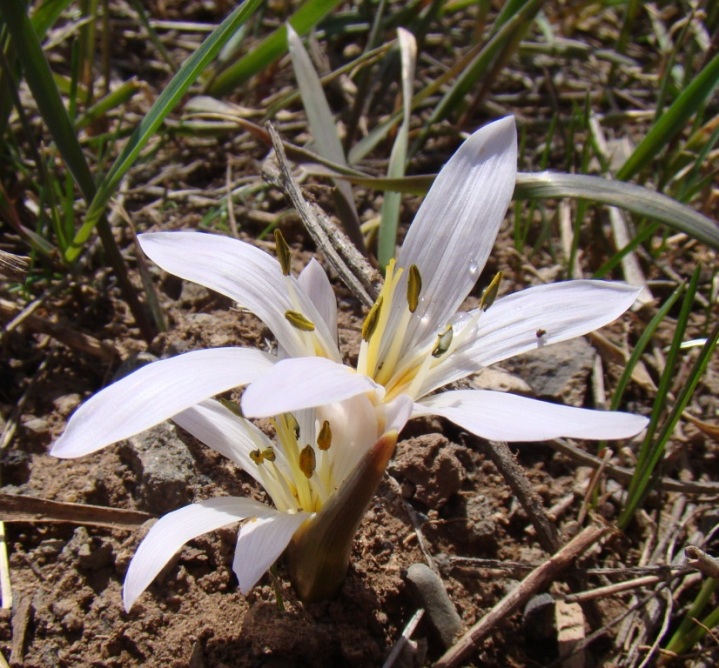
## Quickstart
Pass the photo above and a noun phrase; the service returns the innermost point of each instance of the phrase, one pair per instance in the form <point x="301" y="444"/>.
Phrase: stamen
<point x="324" y="440"/>
<point x="283" y="252"/>
<point x="299" y="321"/>
<point x="308" y="461"/>
<point x="490" y="293"/>
<point x="268" y="454"/>
<point x="257" y="456"/>
<point x="293" y="424"/>
<point x="444" y="341"/>
<point x="414" y="287"/>
<point x="370" y="322"/>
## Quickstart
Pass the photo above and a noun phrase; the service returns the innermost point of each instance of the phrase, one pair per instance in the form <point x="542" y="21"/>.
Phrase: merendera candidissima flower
<point x="415" y="341"/>
<point x="321" y="474"/>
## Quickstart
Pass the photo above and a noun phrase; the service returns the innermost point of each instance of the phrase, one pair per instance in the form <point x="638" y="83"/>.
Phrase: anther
<point x="293" y="424"/>
<point x="283" y="252"/>
<point x="308" y="461"/>
<point x="268" y="454"/>
<point x="444" y="341"/>
<point x="257" y="457"/>
<point x="324" y="440"/>
<point x="299" y="321"/>
<point x="370" y="322"/>
<point x="490" y="293"/>
<point x="414" y="287"/>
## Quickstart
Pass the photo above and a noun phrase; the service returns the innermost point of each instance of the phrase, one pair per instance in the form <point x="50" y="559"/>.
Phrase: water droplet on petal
<point x="473" y="268"/>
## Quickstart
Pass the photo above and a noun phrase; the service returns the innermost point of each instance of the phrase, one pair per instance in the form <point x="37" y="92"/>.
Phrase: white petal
<point x="223" y="431"/>
<point x="155" y="393"/>
<point x="302" y="382"/>
<point x="531" y="319"/>
<point x="507" y="417"/>
<point x="260" y="543"/>
<point x="456" y="226"/>
<point x="173" y="530"/>
<point x="243" y="273"/>
<point x="315" y="284"/>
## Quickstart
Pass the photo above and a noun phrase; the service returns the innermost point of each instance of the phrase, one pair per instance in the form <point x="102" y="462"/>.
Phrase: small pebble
<point x="432" y="596"/>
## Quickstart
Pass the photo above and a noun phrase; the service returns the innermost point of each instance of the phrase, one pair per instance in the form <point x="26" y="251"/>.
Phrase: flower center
<point x="298" y="476"/>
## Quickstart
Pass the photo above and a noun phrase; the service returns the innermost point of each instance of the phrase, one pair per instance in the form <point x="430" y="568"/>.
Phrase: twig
<point x="19" y="508"/>
<point x="351" y="266"/>
<point x="700" y="560"/>
<point x="625" y="474"/>
<point x="416" y="524"/>
<point x="535" y="581"/>
<point x="516" y="478"/>
<point x="5" y="584"/>
<point x="61" y="331"/>
<point x="404" y="639"/>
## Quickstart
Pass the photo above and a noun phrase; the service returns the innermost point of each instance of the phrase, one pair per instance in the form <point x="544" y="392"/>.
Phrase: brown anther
<point x="324" y="440"/>
<point x="268" y="454"/>
<point x="283" y="252"/>
<point x="308" y="461"/>
<point x="370" y="322"/>
<point x="414" y="287"/>
<point x="490" y="293"/>
<point x="444" y="341"/>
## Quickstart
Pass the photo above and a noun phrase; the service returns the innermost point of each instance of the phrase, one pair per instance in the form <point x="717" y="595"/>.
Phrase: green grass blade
<point x="505" y="32"/>
<point x="630" y="197"/>
<point x="165" y="103"/>
<point x="673" y="121"/>
<point x="324" y="130"/>
<point x="40" y="80"/>
<point x="389" y="214"/>
<point x="271" y="48"/>
<point x="652" y="449"/>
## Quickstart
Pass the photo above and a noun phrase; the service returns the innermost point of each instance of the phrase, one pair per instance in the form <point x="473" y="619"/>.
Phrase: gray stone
<point x="559" y="372"/>
<point x="429" y="590"/>
<point x="163" y="466"/>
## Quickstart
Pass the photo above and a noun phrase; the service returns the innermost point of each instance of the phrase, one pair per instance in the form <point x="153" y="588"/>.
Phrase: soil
<point x="443" y="501"/>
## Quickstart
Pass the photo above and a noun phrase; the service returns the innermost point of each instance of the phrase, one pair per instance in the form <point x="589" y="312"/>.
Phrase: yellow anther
<point x="414" y="287"/>
<point x="292" y="423"/>
<point x="283" y="252"/>
<point x="257" y="457"/>
<point x="268" y="454"/>
<point x="490" y="293"/>
<point x="299" y="321"/>
<point x="324" y="440"/>
<point x="308" y="461"/>
<point x="370" y="322"/>
<point x="444" y="341"/>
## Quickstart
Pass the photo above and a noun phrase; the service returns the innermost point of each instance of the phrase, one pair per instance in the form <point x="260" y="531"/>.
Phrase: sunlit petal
<point x="173" y="530"/>
<point x="260" y="542"/>
<point x="315" y="284"/>
<point x="223" y="431"/>
<point x="457" y="223"/>
<point x="303" y="382"/>
<point x="155" y="393"/>
<point x="531" y="319"/>
<point x="243" y="273"/>
<point x="507" y="417"/>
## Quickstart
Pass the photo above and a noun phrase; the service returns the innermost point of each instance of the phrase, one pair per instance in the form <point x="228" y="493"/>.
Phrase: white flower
<point x="318" y="487"/>
<point x="415" y="341"/>
<point x="328" y="458"/>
